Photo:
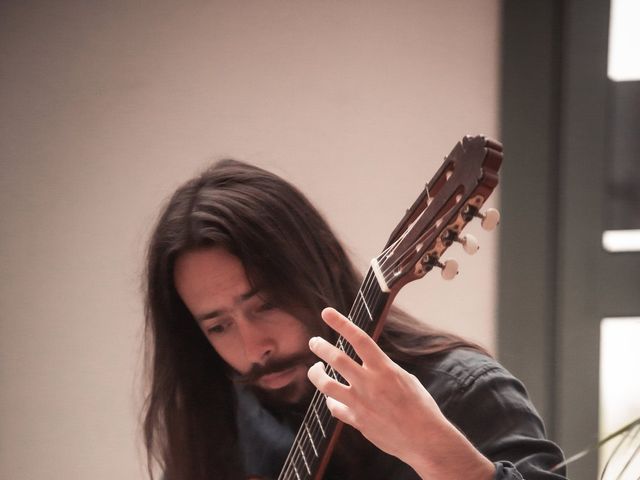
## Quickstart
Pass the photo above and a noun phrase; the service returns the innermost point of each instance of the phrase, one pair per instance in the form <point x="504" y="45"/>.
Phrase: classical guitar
<point x="449" y="201"/>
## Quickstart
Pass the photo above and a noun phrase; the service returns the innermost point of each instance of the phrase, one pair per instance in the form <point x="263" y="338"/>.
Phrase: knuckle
<point x="324" y="383"/>
<point x="339" y="361"/>
<point x="333" y="356"/>
<point x="361" y="340"/>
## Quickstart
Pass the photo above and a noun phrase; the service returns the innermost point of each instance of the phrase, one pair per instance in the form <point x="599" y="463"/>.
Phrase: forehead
<point x="209" y="277"/>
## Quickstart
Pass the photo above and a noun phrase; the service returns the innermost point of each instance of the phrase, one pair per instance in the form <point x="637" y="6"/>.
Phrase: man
<point x="240" y="271"/>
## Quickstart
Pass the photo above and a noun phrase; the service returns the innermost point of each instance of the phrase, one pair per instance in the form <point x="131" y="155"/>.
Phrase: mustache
<point x="272" y="366"/>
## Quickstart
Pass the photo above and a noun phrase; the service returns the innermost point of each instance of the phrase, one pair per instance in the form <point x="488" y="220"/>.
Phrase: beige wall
<point x="106" y="106"/>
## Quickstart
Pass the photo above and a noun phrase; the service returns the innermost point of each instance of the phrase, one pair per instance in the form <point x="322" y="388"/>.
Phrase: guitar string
<point x="293" y="456"/>
<point x="408" y="252"/>
<point x="301" y="439"/>
<point x="381" y="257"/>
<point x="355" y="314"/>
<point x="317" y="404"/>
<point x="356" y="317"/>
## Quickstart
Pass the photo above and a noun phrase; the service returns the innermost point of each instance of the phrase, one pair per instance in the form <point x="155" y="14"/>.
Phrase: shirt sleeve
<point x="506" y="471"/>
<point x="491" y="408"/>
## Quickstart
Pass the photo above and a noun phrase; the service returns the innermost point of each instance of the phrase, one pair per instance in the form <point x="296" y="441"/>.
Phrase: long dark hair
<point x="286" y="248"/>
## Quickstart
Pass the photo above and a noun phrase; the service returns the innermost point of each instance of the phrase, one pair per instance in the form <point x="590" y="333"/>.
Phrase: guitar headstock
<point x="451" y="199"/>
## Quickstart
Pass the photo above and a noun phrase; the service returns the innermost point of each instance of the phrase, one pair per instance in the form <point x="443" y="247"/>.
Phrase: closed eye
<point x="265" y="306"/>
<point x="218" y="328"/>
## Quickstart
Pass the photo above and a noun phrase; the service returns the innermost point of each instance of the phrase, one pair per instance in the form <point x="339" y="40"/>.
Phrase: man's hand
<point x="391" y="408"/>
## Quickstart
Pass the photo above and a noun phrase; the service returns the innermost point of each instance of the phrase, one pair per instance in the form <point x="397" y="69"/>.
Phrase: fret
<point x="315" y="412"/>
<point x="364" y="301"/>
<point x="304" y="459"/>
<point x="313" y="445"/>
<point x="341" y="344"/>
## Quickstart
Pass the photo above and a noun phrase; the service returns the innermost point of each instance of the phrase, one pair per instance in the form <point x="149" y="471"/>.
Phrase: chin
<point x="296" y="395"/>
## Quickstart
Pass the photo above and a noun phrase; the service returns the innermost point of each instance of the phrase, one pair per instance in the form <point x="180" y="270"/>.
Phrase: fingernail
<point x="313" y="341"/>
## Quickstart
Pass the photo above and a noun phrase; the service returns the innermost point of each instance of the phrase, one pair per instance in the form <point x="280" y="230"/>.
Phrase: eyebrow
<point x="216" y="313"/>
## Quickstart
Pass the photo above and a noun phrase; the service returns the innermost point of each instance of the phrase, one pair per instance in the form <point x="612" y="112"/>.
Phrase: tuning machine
<point x="469" y="242"/>
<point x="448" y="269"/>
<point x="490" y="217"/>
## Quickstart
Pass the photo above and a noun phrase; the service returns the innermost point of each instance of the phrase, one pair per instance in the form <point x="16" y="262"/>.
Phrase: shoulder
<point x="462" y="375"/>
<point x="462" y="365"/>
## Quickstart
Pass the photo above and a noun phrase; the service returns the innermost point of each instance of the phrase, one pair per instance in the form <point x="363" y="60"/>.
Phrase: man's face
<point x="254" y="337"/>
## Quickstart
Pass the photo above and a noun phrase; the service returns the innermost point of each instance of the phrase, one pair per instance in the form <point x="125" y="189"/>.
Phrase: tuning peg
<point x="490" y="219"/>
<point x="449" y="269"/>
<point x="469" y="243"/>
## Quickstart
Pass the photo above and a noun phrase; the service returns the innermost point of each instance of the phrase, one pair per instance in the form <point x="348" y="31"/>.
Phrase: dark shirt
<point x="482" y="399"/>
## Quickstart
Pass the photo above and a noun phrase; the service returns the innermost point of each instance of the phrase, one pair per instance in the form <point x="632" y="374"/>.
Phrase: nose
<point x="258" y="343"/>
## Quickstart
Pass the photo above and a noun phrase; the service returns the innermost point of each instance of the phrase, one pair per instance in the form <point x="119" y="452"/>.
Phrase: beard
<point x="291" y="399"/>
<point x="289" y="402"/>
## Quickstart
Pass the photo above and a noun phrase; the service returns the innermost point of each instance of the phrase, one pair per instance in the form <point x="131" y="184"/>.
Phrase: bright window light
<point x="624" y="40"/>
<point x="619" y="394"/>
<point x="621" y="240"/>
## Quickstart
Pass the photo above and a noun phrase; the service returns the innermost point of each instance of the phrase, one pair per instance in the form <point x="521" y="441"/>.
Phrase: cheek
<point x="230" y="353"/>
<point x="299" y="337"/>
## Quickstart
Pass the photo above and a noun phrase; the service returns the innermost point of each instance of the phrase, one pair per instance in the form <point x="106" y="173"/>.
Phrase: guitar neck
<point x="318" y="433"/>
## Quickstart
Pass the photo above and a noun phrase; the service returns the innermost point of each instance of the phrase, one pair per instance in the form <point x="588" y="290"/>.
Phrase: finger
<point x="327" y="385"/>
<point x="341" y="411"/>
<point x="362" y="343"/>
<point x="337" y="358"/>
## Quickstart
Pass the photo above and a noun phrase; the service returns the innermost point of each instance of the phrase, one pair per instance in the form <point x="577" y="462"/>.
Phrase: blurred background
<point x="106" y="107"/>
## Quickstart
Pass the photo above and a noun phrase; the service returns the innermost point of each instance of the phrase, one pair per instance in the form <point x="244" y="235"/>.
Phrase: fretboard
<point x="312" y="440"/>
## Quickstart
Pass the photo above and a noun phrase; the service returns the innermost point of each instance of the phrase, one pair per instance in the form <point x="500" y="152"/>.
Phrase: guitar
<point x="449" y="201"/>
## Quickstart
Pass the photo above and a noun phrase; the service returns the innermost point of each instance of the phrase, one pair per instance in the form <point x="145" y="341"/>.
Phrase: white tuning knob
<point x="469" y="243"/>
<point x="490" y="219"/>
<point x="449" y="269"/>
